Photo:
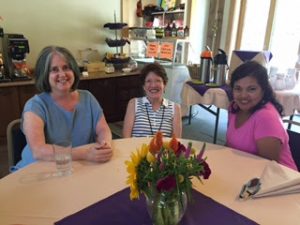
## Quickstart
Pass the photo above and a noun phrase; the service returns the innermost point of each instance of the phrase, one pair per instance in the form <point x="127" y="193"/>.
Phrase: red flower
<point x="181" y="149"/>
<point x="166" y="184"/>
<point x="206" y="170"/>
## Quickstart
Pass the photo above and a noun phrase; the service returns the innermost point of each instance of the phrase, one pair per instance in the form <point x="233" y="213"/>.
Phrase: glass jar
<point x="109" y="68"/>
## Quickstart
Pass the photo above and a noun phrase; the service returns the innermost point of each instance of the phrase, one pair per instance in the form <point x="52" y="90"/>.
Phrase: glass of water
<point x="63" y="158"/>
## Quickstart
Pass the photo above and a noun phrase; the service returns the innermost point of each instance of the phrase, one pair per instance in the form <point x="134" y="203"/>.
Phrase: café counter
<point x="113" y="92"/>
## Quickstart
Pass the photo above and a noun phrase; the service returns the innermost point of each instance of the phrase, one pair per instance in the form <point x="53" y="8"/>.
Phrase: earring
<point x="234" y="106"/>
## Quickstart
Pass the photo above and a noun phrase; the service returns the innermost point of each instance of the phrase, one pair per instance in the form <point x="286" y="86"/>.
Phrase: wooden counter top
<point x="102" y="74"/>
<point x="91" y="76"/>
<point x="16" y="83"/>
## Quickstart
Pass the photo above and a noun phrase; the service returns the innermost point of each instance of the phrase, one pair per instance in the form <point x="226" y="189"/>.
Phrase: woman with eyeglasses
<point x="255" y="125"/>
<point x="62" y="112"/>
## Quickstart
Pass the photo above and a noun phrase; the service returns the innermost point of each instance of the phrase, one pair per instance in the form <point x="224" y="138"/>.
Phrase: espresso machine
<point x="15" y="47"/>
<point x="2" y="71"/>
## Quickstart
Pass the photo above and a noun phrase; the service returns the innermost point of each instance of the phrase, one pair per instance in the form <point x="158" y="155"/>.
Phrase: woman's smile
<point x="61" y="77"/>
<point x="154" y="85"/>
<point x="247" y="93"/>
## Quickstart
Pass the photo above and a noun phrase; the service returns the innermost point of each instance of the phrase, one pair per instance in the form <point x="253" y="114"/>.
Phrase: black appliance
<point x="15" y="48"/>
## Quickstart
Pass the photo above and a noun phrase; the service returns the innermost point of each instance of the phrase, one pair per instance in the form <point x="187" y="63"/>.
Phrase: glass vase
<point x="166" y="209"/>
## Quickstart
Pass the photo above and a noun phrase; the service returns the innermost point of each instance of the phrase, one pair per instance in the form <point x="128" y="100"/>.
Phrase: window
<point x="254" y="27"/>
<point x="270" y="25"/>
<point x="285" y="39"/>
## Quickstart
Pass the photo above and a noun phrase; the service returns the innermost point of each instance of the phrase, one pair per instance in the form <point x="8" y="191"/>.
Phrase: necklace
<point x="161" y="121"/>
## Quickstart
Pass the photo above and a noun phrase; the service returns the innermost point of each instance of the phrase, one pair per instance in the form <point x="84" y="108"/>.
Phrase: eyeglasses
<point x="250" y="188"/>
<point x="56" y="69"/>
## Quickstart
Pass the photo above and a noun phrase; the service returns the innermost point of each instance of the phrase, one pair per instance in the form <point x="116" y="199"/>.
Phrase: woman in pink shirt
<point x="255" y="124"/>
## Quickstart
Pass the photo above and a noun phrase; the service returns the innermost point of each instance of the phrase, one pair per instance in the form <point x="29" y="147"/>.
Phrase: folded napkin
<point x="277" y="180"/>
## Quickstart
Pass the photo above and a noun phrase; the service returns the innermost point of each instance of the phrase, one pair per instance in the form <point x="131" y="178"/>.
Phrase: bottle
<point x="186" y="31"/>
<point x="174" y="30"/>
<point x="168" y="31"/>
<point x="180" y="32"/>
<point x="139" y="8"/>
<point x="159" y="32"/>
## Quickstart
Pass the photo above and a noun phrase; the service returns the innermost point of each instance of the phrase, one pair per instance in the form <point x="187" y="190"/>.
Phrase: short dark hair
<point x="260" y="73"/>
<point x="43" y="67"/>
<point x="155" y="68"/>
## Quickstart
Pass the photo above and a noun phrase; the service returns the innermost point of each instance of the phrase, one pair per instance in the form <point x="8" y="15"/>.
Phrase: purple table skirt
<point x="119" y="210"/>
<point x="202" y="88"/>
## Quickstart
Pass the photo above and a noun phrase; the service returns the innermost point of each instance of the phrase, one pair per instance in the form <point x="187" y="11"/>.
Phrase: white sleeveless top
<point x="147" y="121"/>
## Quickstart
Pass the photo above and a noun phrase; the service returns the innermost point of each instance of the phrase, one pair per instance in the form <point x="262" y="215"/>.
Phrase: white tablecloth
<point x="33" y="197"/>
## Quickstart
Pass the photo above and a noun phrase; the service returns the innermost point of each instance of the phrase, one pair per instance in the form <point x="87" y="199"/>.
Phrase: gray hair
<point x="43" y="67"/>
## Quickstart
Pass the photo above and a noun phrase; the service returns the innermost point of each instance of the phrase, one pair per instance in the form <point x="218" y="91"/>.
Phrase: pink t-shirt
<point x="265" y="122"/>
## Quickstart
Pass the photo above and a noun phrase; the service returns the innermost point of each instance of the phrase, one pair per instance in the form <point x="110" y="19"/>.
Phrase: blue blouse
<point x="78" y="126"/>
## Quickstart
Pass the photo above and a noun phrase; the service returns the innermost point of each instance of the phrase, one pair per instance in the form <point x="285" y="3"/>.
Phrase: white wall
<point x="74" y="24"/>
<point x="129" y="11"/>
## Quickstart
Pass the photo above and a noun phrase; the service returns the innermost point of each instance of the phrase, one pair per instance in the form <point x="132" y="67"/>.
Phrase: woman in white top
<point x="147" y="115"/>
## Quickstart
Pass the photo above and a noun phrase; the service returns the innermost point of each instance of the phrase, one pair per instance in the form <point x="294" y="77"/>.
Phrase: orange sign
<point x="166" y="50"/>
<point x="152" y="49"/>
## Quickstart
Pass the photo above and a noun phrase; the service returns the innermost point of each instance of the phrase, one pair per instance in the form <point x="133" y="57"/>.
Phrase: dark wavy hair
<point x="43" y="67"/>
<point x="155" y="68"/>
<point x="258" y="72"/>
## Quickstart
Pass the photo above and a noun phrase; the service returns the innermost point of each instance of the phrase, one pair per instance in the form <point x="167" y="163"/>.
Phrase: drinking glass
<point x="63" y="158"/>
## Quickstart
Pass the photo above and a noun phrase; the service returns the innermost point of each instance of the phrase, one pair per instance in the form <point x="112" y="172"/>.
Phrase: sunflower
<point x="132" y="170"/>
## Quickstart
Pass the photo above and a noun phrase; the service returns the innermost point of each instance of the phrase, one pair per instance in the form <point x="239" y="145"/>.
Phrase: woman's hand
<point x="99" y="152"/>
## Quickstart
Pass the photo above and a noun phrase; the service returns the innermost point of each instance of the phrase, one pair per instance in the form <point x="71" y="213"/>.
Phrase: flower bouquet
<point x="163" y="172"/>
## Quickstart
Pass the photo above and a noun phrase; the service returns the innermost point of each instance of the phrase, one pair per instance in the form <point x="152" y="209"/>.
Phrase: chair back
<point x="294" y="141"/>
<point x="16" y="141"/>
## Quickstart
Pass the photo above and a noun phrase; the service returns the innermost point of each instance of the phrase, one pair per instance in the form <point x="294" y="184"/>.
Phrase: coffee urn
<point x="220" y="68"/>
<point x="206" y="61"/>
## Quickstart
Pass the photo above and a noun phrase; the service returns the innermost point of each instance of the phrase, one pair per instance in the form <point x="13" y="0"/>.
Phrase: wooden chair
<point x="294" y="140"/>
<point x="16" y="141"/>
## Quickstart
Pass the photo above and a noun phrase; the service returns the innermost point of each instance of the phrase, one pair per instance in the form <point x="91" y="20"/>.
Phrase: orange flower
<point x="174" y="144"/>
<point x="156" y="143"/>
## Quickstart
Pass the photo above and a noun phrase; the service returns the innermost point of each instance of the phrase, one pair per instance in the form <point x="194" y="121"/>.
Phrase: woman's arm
<point x="269" y="147"/>
<point x="177" y="122"/>
<point x="103" y="131"/>
<point x="33" y="128"/>
<point x="101" y="151"/>
<point x="129" y="119"/>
